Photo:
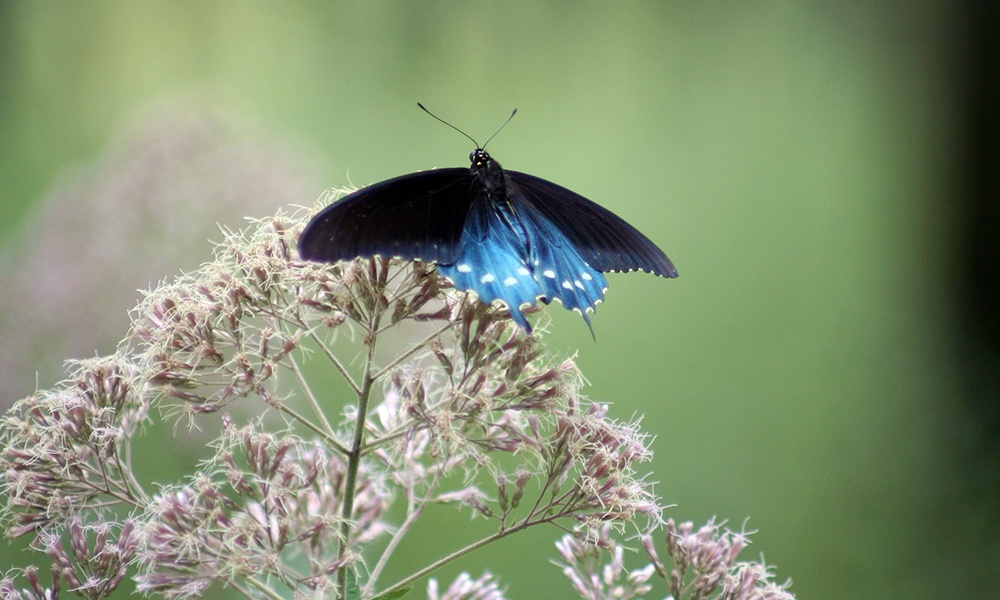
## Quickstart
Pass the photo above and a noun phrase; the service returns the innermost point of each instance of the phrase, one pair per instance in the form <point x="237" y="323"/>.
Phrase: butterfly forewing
<point x="416" y="216"/>
<point x="602" y="238"/>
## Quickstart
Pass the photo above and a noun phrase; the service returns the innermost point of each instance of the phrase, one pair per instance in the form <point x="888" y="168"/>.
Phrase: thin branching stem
<point x="383" y="560"/>
<point x="415" y="509"/>
<point x="135" y="485"/>
<point x="107" y="489"/>
<point x="421" y="345"/>
<point x="402" y="583"/>
<point x="326" y="436"/>
<point x="123" y="475"/>
<point x="336" y="362"/>
<point x="262" y="587"/>
<point x="307" y="390"/>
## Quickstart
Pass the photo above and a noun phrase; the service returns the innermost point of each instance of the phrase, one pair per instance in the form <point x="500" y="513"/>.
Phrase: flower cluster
<point x="97" y="557"/>
<point x="66" y="451"/>
<point x="582" y="564"/>
<point x="262" y="502"/>
<point x="466" y="588"/>
<point x="428" y="400"/>
<point x="36" y="590"/>
<point x="704" y="565"/>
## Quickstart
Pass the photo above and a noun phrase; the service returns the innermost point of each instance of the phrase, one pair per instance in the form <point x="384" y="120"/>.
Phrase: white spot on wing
<point x="567" y="285"/>
<point x="586" y="276"/>
<point x="523" y="271"/>
<point x="510" y="281"/>
<point x="464" y="268"/>
<point x="578" y="284"/>
<point x="549" y="273"/>
<point x="488" y="278"/>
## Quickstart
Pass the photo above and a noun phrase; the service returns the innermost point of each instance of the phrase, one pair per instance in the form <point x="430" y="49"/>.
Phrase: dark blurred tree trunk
<point x="978" y="298"/>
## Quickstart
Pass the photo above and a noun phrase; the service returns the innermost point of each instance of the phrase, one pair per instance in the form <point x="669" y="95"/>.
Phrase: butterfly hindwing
<point x="420" y="215"/>
<point x="557" y="266"/>
<point x="518" y="257"/>
<point x="492" y="262"/>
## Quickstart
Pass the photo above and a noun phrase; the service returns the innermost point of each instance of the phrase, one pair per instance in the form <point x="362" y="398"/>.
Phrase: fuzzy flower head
<point x="705" y="564"/>
<point x="466" y="588"/>
<point x="36" y="589"/>
<point x="65" y="449"/>
<point x="264" y="500"/>
<point x="582" y="563"/>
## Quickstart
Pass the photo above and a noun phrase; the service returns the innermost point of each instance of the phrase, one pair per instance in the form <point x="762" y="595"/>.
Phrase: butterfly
<point x="503" y="235"/>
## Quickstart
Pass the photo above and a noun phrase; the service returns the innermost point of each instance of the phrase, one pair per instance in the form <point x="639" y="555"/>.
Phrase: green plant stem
<point x="354" y="455"/>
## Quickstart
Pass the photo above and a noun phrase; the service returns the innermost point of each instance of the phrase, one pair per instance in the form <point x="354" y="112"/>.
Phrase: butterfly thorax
<point x="489" y="173"/>
<point x="494" y="181"/>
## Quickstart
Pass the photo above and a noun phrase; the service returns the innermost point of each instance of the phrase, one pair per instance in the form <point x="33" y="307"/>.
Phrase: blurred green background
<point x="801" y="163"/>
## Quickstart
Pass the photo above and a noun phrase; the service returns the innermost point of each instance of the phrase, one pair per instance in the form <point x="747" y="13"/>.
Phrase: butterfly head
<point x="479" y="158"/>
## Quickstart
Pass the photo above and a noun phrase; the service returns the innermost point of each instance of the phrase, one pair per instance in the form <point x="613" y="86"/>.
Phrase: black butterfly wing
<point x="415" y="216"/>
<point x="605" y="240"/>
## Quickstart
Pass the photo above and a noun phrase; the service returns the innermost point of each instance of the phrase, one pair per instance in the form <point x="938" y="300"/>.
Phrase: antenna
<point x="501" y="127"/>
<point x="424" y="108"/>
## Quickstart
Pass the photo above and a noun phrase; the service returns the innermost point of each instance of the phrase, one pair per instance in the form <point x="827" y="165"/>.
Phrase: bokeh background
<point x="824" y="175"/>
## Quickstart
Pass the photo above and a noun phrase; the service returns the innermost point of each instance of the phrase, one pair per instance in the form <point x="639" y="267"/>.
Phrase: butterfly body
<point x="504" y="235"/>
